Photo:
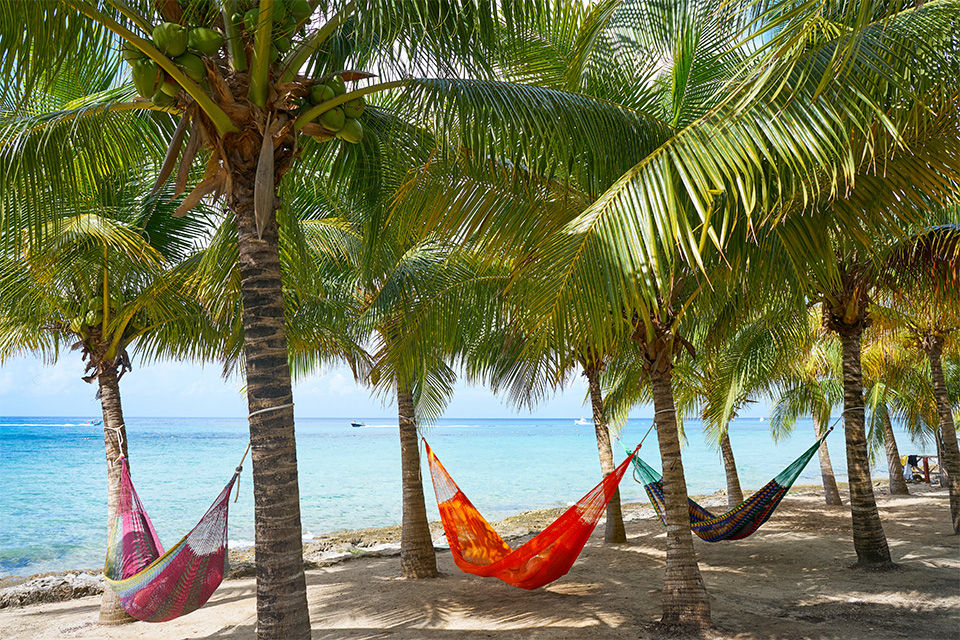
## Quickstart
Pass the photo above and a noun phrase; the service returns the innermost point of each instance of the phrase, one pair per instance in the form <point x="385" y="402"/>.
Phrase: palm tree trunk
<point x="898" y="485"/>
<point x="417" y="556"/>
<point x="114" y="433"/>
<point x="830" y="491"/>
<point x="868" y="537"/>
<point x="685" y="600"/>
<point x="281" y="587"/>
<point x="615" y="531"/>
<point x="734" y="493"/>
<point x="949" y="450"/>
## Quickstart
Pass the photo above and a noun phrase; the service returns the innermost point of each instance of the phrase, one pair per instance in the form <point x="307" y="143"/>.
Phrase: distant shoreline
<point x="328" y="549"/>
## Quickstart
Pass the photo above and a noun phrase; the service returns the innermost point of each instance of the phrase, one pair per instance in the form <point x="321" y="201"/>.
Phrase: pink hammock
<point x="157" y="586"/>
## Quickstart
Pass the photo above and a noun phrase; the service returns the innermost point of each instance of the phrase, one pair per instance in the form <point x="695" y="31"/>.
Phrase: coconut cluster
<point x="341" y="120"/>
<point x="183" y="45"/>
<point x="287" y="14"/>
<point x="195" y="44"/>
<point x="90" y="314"/>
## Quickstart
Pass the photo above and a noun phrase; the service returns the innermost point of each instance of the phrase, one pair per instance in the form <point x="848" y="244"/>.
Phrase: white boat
<point x="583" y="422"/>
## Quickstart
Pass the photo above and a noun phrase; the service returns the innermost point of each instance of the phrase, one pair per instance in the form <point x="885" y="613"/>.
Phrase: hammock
<point x="743" y="519"/>
<point x="157" y="586"/>
<point x="477" y="548"/>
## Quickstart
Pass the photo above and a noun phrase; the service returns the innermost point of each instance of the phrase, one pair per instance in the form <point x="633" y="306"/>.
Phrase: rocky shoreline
<point x="326" y="550"/>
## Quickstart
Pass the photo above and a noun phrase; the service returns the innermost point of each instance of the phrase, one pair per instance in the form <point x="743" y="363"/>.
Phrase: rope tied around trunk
<point x="118" y="430"/>
<point x="268" y="409"/>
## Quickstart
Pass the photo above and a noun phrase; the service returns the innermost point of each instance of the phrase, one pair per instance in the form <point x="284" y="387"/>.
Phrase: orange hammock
<point x="477" y="548"/>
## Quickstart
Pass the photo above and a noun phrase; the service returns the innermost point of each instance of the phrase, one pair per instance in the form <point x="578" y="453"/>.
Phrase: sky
<point x="30" y="387"/>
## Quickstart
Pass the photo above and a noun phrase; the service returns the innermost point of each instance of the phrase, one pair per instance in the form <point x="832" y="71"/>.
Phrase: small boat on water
<point x="583" y="422"/>
<point x="357" y="425"/>
<point x="95" y="423"/>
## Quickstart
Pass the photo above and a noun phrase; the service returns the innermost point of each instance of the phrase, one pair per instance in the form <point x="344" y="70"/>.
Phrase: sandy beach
<point x="790" y="580"/>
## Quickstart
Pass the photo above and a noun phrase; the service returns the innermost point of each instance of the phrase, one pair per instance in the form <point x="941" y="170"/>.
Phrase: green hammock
<point x="743" y="519"/>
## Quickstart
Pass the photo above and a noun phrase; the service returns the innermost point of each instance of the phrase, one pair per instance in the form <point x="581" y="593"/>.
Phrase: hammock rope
<point x="479" y="550"/>
<point x="156" y="586"/>
<point x="742" y="520"/>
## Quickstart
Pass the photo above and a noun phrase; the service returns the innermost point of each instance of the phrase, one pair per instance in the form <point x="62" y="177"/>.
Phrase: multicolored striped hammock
<point x="479" y="550"/>
<point x="155" y="586"/>
<point x="742" y="520"/>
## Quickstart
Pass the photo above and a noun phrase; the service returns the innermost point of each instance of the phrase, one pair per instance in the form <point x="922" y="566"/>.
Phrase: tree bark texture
<point x="111" y="612"/>
<point x="949" y="450"/>
<point x="898" y="484"/>
<point x="615" y="531"/>
<point x="734" y="492"/>
<point x="281" y="587"/>
<point x="868" y="537"/>
<point x="417" y="556"/>
<point x="830" y="491"/>
<point x="685" y="600"/>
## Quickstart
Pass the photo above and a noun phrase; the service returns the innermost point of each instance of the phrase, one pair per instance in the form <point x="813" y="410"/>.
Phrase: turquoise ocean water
<point x="53" y="504"/>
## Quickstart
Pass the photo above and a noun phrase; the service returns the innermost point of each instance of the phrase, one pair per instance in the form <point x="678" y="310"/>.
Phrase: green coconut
<point x="170" y="87"/>
<point x="250" y="19"/>
<point x="338" y="85"/>
<point x="279" y="12"/>
<point x="161" y="99"/>
<point x="282" y="43"/>
<point x="170" y="38"/>
<point x="130" y="53"/>
<point x="299" y="9"/>
<point x="354" y="108"/>
<point x="332" y="120"/>
<point x="320" y="93"/>
<point x="144" y="74"/>
<point x="192" y="65"/>
<point x="352" y="131"/>
<point x="205" y="41"/>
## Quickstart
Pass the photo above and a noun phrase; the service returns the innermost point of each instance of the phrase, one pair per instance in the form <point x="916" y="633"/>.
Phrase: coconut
<point x="205" y="41"/>
<point x="299" y="9"/>
<point x="282" y="43"/>
<point x="250" y="19"/>
<point x="170" y="38"/>
<point x="130" y="52"/>
<point x="144" y="74"/>
<point x="169" y="87"/>
<point x="338" y="85"/>
<point x="354" y="108"/>
<point x="192" y="65"/>
<point x="320" y="93"/>
<point x="332" y="120"/>
<point x="352" y="131"/>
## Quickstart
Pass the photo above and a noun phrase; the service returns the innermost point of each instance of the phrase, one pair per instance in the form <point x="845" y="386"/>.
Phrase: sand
<point x="792" y="579"/>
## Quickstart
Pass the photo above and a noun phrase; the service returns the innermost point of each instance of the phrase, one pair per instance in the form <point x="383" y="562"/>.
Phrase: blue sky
<point x="30" y="387"/>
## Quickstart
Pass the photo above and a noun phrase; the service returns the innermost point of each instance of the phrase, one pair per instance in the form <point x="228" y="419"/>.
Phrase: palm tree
<point x="727" y="157"/>
<point x="225" y="104"/>
<point x="528" y="361"/>
<point x="104" y="280"/>
<point x="889" y="379"/>
<point x="812" y="386"/>
<point x="737" y="362"/>
<point x="923" y="280"/>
